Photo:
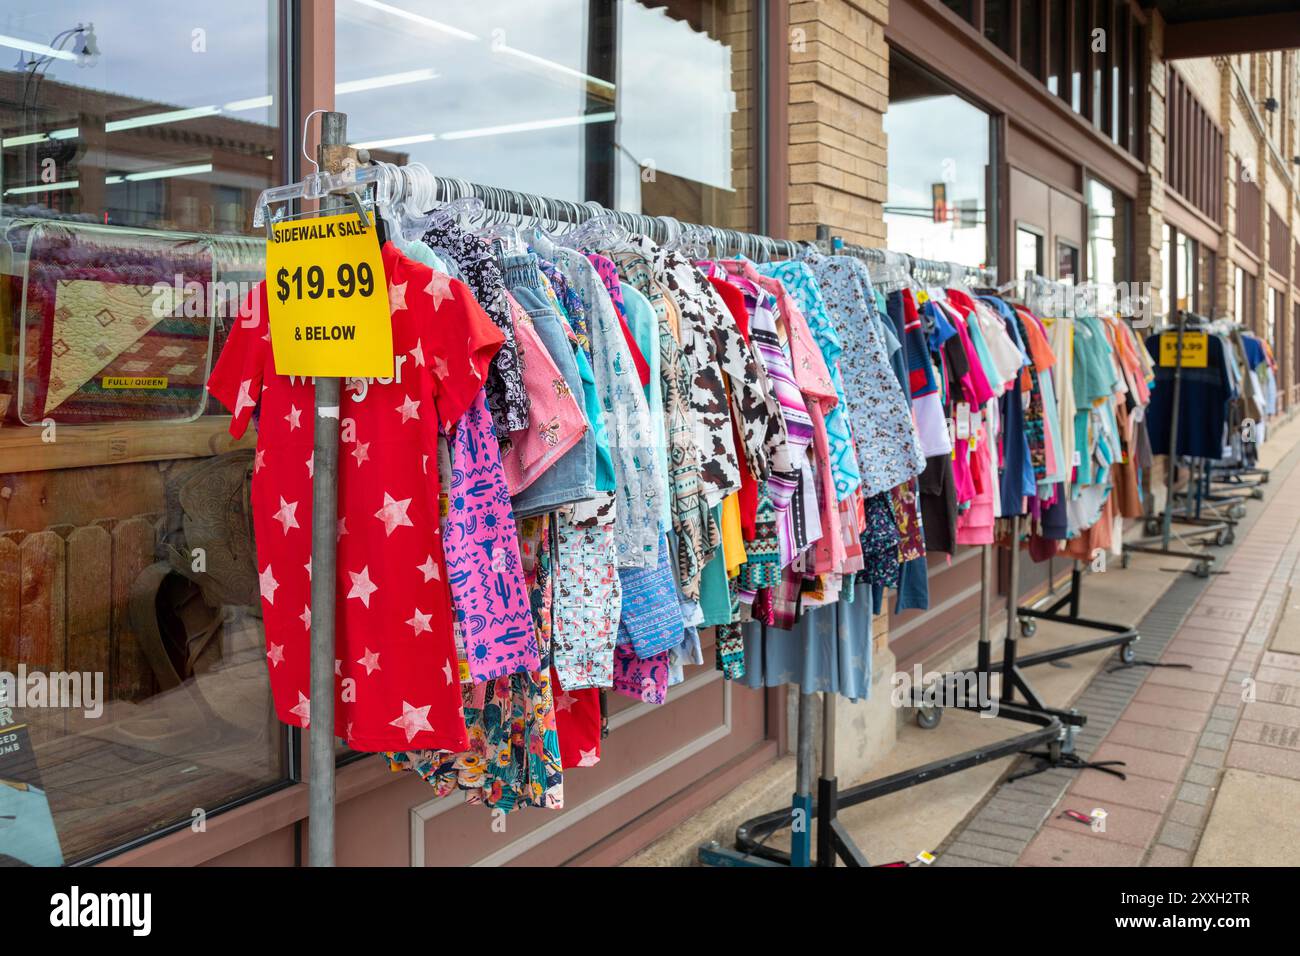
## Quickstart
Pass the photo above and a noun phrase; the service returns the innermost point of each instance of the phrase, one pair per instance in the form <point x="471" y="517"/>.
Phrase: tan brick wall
<point x="838" y="94"/>
<point x="1148" y="218"/>
<point x="1266" y="142"/>
<point x="1204" y="78"/>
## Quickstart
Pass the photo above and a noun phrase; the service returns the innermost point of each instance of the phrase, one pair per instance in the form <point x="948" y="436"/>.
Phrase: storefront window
<point x="1184" y="275"/>
<point x="1245" y="298"/>
<point x="1182" y="272"/>
<point x="632" y="105"/>
<point x="939" y="161"/>
<point x="1240" y="295"/>
<point x="1205" y="266"/>
<point x="134" y="140"/>
<point x="1167" y="273"/>
<point x="1270" y="327"/>
<point x="1108" y="229"/>
<point x="1067" y="262"/>
<point x="1029" y="253"/>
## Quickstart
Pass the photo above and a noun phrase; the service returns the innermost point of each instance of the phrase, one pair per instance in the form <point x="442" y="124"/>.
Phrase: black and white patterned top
<point x="506" y="396"/>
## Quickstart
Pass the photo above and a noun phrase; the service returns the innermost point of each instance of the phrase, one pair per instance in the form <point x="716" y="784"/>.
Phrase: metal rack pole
<point x="1167" y="520"/>
<point x="1013" y="602"/>
<point x="1204" y="527"/>
<point x="324" y="544"/>
<point x="984" y="648"/>
<point x="805" y="760"/>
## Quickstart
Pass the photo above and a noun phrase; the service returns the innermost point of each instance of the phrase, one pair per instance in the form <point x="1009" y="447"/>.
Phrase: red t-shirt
<point x="397" y="684"/>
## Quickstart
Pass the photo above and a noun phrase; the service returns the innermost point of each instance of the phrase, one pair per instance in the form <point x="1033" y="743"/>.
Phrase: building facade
<point x="1099" y="141"/>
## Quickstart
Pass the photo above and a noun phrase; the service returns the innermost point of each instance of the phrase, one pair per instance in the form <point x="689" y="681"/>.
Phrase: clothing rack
<point x="833" y="841"/>
<point x="344" y="178"/>
<point x="1038" y="292"/>
<point x="662" y="229"/>
<point x="1065" y="609"/>
<point x="1161" y="544"/>
<point x="1054" y="728"/>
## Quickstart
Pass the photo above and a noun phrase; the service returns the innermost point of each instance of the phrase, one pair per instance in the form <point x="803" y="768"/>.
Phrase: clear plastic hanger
<point x="547" y="225"/>
<point x="501" y="227"/>
<point x="463" y="209"/>
<point x="602" y="230"/>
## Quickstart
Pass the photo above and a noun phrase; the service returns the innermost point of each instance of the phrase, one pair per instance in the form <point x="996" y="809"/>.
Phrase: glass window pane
<point x="1031" y="36"/>
<point x="1082" y="39"/>
<point x="1067" y="262"/>
<point x="1107" y="240"/>
<point x="1118" y="65"/>
<point x="1029" y="253"/>
<point x="132" y="153"/>
<point x="963" y="8"/>
<point x="1167" y="280"/>
<point x="1099" y="41"/>
<point x="1182" y="274"/>
<point x="938" y="149"/>
<point x="633" y="105"/>
<point x="997" y="24"/>
<point x="1058" y="40"/>
<point x="1134" y="80"/>
<point x="1240" y="277"/>
<point x="1270" y="325"/>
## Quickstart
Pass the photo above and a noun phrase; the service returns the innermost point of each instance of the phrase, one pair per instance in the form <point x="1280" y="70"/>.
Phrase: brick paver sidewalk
<point x="1183" y="727"/>
<point x="1176" y="729"/>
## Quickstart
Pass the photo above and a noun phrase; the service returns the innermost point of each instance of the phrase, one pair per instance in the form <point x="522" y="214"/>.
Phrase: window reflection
<point x="104" y="139"/>
<point x="1067" y="262"/>
<point x="1029" y="253"/>
<point x="938" y="168"/>
<point x="132" y="153"/>
<point x="628" y="104"/>
<point x="1108" y="230"/>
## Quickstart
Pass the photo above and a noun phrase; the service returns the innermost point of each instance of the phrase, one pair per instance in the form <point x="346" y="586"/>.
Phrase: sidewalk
<point x="1212" y="752"/>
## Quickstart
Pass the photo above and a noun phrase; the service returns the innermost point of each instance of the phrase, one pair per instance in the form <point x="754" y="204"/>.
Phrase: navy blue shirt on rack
<point x="1203" y="405"/>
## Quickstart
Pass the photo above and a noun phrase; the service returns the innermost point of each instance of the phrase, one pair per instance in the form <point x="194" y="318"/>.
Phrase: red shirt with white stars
<point x="397" y="685"/>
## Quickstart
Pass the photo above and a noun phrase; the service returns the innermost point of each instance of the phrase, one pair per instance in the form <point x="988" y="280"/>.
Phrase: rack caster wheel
<point x="1028" y="627"/>
<point x="927" y="718"/>
<point x="1125" y="560"/>
<point x="1257" y="493"/>
<point x="1225" y="536"/>
<point x="1203" y="570"/>
<point x="1237" y="511"/>
<point x="1127" y="655"/>
<point x="1152" y="526"/>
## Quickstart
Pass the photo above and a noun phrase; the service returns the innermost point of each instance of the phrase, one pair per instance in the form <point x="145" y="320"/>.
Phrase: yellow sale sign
<point x="328" y="299"/>
<point x="1196" y="349"/>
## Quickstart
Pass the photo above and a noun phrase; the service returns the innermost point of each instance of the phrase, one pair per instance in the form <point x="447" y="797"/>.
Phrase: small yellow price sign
<point x="328" y="298"/>
<point x="1196" y="349"/>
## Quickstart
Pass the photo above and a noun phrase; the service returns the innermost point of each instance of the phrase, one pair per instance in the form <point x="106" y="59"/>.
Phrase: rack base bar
<point x="1122" y="637"/>
<point x="1202" y="569"/>
<point x="751" y="836"/>
<point x="1065" y="610"/>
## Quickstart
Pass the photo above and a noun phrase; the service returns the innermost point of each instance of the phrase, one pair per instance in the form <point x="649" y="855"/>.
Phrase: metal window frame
<point x="306" y="45"/>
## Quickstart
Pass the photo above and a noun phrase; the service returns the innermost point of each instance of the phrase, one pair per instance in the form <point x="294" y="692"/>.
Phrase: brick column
<point x="838" y="94"/>
<point x="1149" y="214"/>
<point x="1225" y="298"/>
<point x="839" y="91"/>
